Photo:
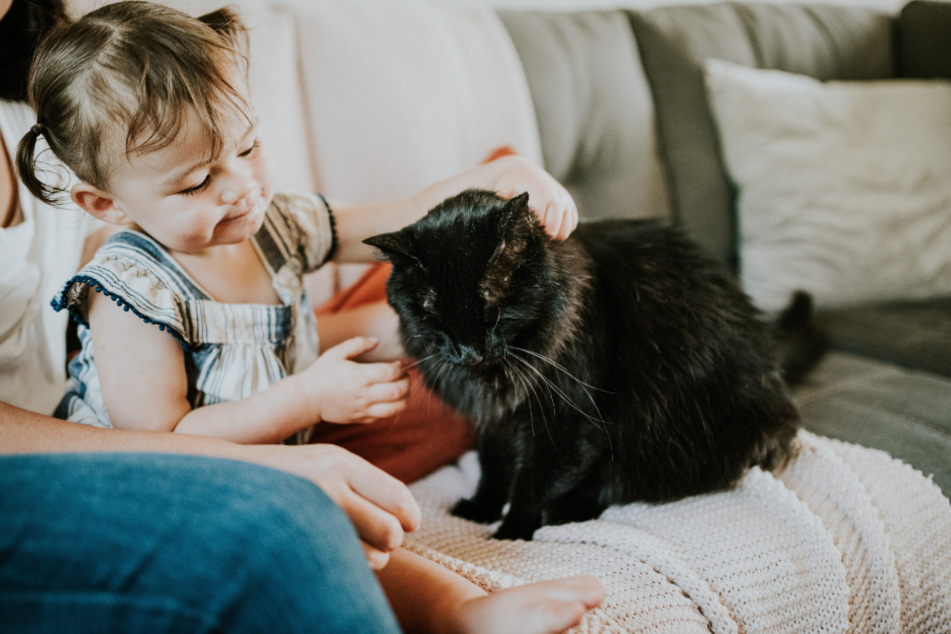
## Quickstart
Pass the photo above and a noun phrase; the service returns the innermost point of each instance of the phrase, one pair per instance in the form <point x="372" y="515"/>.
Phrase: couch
<point x="366" y="101"/>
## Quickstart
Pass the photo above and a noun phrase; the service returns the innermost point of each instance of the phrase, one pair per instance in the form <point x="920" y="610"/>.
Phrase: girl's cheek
<point x="199" y="224"/>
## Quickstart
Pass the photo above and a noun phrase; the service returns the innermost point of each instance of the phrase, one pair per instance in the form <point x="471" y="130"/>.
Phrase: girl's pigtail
<point x="227" y="25"/>
<point x="26" y="166"/>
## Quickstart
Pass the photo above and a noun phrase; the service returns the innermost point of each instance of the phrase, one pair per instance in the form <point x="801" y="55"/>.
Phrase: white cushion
<point x="843" y="188"/>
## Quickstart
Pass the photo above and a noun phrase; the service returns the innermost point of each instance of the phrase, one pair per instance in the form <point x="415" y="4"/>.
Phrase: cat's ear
<point x="518" y="225"/>
<point x="515" y="210"/>
<point x="392" y="246"/>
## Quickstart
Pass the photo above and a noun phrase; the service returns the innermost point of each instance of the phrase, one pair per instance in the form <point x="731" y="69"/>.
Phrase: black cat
<point x="619" y="365"/>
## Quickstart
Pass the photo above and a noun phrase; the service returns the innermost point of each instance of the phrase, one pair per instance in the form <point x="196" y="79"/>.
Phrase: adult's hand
<point x="381" y="507"/>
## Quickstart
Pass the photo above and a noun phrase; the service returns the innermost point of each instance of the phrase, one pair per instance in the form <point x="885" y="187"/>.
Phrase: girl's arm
<point x="507" y="176"/>
<point x="145" y="387"/>
<point x="380" y="506"/>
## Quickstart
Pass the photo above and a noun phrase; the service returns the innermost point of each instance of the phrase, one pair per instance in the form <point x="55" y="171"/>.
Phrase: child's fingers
<point x="389" y="391"/>
<point x="560" y="217"/>
<point x="383" y="372"/>
<point x="554" y="221"/>
<point x="382" y="410"/>
<point x="352" y="347"/>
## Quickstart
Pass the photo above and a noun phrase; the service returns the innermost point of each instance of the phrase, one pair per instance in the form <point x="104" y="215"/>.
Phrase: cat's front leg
<point x="529" y="496"/>
<point x="486" y="505"/>
<point x="520" y="525"/>
<point x="552" y="487"/>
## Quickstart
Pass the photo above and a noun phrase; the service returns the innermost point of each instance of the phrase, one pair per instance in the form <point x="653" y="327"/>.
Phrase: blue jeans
<point x="145" y="543"/>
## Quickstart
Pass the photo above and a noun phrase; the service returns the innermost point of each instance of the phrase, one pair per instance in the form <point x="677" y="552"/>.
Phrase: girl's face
<point x="190" y="204"/>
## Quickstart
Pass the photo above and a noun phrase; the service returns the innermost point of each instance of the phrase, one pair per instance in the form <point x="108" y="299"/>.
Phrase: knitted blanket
<point x="846" y="539"/>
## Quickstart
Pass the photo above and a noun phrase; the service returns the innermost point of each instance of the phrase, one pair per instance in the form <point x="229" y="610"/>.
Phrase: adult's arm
<point x="380" y="506"/>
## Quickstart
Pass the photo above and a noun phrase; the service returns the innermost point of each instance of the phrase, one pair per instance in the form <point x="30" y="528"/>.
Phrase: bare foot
<point x="544" y="607"/>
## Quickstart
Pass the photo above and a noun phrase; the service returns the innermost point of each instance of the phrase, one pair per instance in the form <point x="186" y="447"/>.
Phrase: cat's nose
<point x="464" y="355"/>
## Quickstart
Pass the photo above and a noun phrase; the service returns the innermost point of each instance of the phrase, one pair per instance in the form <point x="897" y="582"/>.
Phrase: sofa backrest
<point x="611" y="102"/>
<point x="594" y="109"/>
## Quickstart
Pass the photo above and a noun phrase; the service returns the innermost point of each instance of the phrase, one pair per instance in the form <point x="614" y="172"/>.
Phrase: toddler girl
<point x="193" y="317"/>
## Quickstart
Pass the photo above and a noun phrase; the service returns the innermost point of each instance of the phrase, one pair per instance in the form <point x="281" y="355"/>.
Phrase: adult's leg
<point x="153" y="542"/>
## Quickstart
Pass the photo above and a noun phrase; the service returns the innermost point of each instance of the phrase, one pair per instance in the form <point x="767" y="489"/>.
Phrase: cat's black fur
<point x="619" y="365"/>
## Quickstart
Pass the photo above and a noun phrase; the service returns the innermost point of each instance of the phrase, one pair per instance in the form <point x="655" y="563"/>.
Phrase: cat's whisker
<point x="572" y="404"/>
<point x="557" y="390"/>
<point x="516" y="378"/>
<point x="442" y="368"/>
<point x="418" y="361"/>
<point x="545" y="382"/>
<point x="530" y="390"/>
<point x="560" y="368"/>
<point x="563" y="370"/>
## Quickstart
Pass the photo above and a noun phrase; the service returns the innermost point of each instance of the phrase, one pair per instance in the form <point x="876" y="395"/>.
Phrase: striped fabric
<point x="231" y="350"/>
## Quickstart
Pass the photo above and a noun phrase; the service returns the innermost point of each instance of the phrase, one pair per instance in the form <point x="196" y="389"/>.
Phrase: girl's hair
<point x="24" y="24"/>
<point x="134" y="66"/>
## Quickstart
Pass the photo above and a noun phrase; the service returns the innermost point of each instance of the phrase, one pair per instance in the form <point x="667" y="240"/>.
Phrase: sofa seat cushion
<point x="915" y="335"/>
<point x="903" y="412"/>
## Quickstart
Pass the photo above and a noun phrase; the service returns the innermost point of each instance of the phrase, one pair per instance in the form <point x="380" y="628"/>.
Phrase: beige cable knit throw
<point x="847" y="539"/>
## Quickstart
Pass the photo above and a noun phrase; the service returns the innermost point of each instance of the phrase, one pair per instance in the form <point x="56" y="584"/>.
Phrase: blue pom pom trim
<point x="61" y="303"/>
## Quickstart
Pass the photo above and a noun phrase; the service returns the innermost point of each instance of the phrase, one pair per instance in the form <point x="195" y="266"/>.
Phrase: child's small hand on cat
<point x="547" y="198"/>
<point x="347" y="391"/>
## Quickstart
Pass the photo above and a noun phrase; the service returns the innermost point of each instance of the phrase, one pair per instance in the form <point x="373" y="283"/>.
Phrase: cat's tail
<point x="802" y="343"/>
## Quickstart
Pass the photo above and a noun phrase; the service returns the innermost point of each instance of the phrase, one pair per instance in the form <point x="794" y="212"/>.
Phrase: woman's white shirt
<point x="36" y="257"/>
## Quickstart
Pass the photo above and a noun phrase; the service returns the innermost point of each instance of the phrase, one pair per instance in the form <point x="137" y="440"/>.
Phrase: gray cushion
<point x="902" y="412"/>
<point x="914" y="335"/>
<point x="594" y="109"/>
<point x="924" y="40"/>
<point x="827" y="42"/>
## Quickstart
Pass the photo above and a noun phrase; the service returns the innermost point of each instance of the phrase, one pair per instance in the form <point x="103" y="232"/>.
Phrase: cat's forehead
<point x="457" y="238"/>
<point x="458" y="256"/>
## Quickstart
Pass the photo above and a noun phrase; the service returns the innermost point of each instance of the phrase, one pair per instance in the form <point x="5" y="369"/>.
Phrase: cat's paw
<point x="469" y="510"/>
<point x="515" y="530"/>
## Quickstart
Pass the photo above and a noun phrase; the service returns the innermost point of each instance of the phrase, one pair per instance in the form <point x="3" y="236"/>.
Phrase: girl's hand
<point x="507" y="176"/>
<point x="346" y="391"/>
<point x="551" y="202"/>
